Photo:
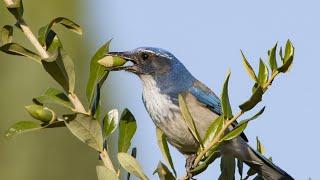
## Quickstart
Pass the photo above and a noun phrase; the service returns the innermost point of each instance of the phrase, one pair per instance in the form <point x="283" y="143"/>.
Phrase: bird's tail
<point x="265" y="167"/>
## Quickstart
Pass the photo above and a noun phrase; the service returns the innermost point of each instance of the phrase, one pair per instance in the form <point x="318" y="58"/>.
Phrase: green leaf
<point x="21" y="127"/>
<point x="251" y="172"/>
<point x="104" y="173"/>
<point x="213" y="155"/>
<point x="240" y="167"/>
<point x="133" y="154"/>
<point x="6" y="33"/>
<point x="249" y="68"/>
<point x="263" y="73"/>
<point x="110" y="122"/>
<point x="163" y="145"/>
<point x="226" y="107"/>
<point x="163" y="172"/>
<point x="289" y="51"/>
<point x="86" y="129"/>
<point x="17" y="49"/>
<point x="288" y="57"/>
<point x="227" y="167"/>
<point x="16" y="9"/>
<point x="260" y="147"/>
<point x="59" y="20"/>
<point x="61" y="68"/>
<point x="111" y="61"/>
<point x="131" y="165"/>
<point x="97" y="72"/>
<point x="54" y="96"/>
<point x="188" y="118"/>
<point x="127" y="128"/>
<point x="50" y="41"/>
<point x="272" y="58"/>
<point x="236" y="131"/>
<point x="212" y="130"/>
<point x="255" y="98"/>
<point x="41" y="113"/>
<point x="281" y="55"/>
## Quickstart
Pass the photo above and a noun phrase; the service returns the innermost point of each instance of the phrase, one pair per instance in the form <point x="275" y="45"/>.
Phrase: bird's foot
<point x="189" y="165"/>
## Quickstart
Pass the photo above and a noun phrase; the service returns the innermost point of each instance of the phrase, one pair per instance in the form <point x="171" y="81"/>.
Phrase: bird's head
<point x="146" y="61"/>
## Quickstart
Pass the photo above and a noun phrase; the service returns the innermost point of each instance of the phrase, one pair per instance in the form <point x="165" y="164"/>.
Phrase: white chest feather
<point x="159" y="105"/>
<point x="167" y="117"/>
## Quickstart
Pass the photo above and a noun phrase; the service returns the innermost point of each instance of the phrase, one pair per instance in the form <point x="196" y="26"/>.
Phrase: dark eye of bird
<point x="144" y="56"/>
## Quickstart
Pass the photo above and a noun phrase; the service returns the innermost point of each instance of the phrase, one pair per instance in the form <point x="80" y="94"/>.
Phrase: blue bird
<point x="163" y="78"/>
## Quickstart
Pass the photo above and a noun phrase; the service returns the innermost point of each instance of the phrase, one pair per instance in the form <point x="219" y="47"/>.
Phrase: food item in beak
<point x="112" y="61"/>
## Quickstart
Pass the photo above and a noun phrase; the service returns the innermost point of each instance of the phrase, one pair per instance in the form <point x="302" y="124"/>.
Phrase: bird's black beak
<point x="128" y="56"/>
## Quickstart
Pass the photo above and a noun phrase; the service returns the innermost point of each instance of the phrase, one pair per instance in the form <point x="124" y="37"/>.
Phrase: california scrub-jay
<point x="164" y="77"/>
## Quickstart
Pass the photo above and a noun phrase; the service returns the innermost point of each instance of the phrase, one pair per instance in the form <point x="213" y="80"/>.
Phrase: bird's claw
<point x="189" y="165"/>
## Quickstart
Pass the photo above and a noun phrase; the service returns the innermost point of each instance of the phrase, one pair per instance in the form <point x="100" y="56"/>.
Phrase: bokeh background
<point x="207" y="37"/>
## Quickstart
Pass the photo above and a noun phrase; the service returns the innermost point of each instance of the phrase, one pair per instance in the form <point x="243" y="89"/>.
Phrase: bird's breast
<point x="166" y="116"/>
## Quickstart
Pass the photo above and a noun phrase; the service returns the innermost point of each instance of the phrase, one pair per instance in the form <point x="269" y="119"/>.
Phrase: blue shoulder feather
<point x="207" y="97"/>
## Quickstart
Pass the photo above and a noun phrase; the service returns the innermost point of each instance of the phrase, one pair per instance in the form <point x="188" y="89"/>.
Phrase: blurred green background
<point x="47" y="154"/>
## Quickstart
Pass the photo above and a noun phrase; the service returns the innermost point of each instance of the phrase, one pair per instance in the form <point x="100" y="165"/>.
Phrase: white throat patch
<point x="159" y="106"/>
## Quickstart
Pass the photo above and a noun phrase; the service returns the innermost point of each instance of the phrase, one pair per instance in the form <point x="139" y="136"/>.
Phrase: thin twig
<point x="106" y="160"/>
<point x="78" y="107"/>
<point x="34" y="41"/>
<point x="216" y="138"/>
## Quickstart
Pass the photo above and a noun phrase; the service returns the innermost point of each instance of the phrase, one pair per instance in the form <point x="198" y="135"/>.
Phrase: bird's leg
<point x="189" y="164"/>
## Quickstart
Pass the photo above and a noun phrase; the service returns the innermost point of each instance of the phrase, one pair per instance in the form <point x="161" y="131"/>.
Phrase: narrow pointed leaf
<point x="16" y="9"/>
<point x="21" y="127"/>
<point x="263" y="73"/>
<point x="236" y="131"/>
<point x="255" y="98"/>
<point x="281" y="55"/>
<point x="240" y="167"/>
<point x="272" y="59"/>
<point x="41" y="113"/>
<point x="17" y="49"/>
<point x="289" y="50"/>
<point x="288" y="57"/>
<point x="61" y="68"/>
<point x="131" y="165"/>
<point x="59" y="20"/>
<point x="97" y="72"/>
<point x="133" y="154"/>
<point x="163" y="172"/>
<point x="163" y="145"/>
<point x="49" y="40"/>
<point x="214" y="154"/>
<point x="188" y="118"/>
<point x="6" y="33"/>
<point x="226" y="107"/>
<point x="249" y="68"/>
<point x="260" y="147"/>
<point x="227" y="167"/>
<point x="104" y="173"/>
<point x="212" y="130"/>
<point x="127" y="128"/>
<point x="54" y="96"/>
<point x="86" y="129"/>
<point x="110" y="122"/>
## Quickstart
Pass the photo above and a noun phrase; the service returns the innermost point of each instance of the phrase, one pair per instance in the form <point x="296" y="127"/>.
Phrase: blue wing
<point x="211" y="100"/>
<point x="207" y="97"/>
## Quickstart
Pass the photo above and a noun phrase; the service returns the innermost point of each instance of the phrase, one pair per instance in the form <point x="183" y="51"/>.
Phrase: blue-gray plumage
<point x="164" y="77"/>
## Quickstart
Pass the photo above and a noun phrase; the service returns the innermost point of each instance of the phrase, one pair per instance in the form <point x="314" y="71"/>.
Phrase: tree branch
<point x="78" y="107"/>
